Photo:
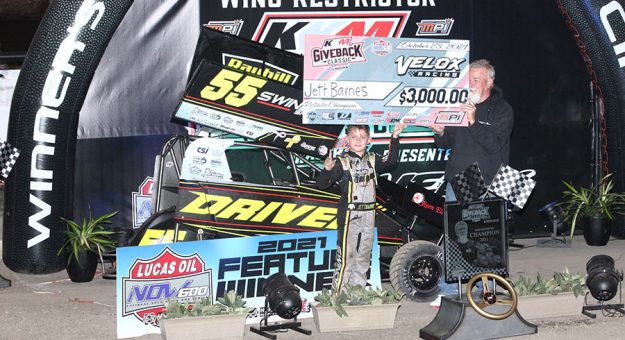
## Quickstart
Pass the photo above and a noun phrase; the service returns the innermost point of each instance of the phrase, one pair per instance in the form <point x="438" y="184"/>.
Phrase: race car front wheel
<point x="416" y="270"/>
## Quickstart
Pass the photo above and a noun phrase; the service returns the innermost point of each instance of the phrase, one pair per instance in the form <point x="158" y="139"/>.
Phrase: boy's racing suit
<point x="356" y="211"/>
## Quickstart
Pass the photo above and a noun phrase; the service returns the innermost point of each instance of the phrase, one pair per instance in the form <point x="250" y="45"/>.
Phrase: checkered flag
<point x="8" y="157"/>
<point x="512" y="185"/>
<point x="469" y="184"/>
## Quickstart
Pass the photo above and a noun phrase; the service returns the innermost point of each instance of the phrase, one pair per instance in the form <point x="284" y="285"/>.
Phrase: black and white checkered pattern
<point x="456" y="267"/>
<point x="469" y="184"/>
<point x="512" y="185"/>
<point x="8" y="157"/>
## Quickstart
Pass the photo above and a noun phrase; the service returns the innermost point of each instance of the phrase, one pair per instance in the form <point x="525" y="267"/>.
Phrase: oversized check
<point x="373" y="80"/>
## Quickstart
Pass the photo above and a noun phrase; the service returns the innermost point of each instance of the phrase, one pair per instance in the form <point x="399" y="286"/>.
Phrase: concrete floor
<point x="51" y="307"/>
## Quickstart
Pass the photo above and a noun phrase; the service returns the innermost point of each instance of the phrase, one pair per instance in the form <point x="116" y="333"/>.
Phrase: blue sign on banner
<point x="148" y="276"/>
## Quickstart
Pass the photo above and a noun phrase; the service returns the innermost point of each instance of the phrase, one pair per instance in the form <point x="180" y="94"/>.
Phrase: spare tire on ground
<point x="416" y="269"/>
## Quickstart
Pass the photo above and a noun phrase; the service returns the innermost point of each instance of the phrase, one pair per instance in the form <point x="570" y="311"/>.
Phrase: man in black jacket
<point x="487" y="138"/>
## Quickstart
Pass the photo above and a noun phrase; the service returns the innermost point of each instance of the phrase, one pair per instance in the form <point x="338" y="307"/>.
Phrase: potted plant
<point x="353" y="308"/>
<point x="561" y="295"/>
<point x="594" y="206"/>
<point x="204" y="319"/>
<point x="83" y="243"/>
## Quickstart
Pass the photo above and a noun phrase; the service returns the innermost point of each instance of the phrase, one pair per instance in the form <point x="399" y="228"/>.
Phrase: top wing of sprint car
<point x="245" y="189"/>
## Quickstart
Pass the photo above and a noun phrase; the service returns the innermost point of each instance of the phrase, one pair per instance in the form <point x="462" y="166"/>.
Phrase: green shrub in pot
<point x="578" y="202"/>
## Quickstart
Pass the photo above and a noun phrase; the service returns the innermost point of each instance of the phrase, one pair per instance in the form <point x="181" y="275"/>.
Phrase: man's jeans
<point x="450" y="196"/>
<point x="448" y="288"/>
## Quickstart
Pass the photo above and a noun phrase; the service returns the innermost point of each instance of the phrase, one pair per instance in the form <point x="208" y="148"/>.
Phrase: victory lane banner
<point x="148" y="276"/>
<point x="233" y="100"/>
<point x="373" y="80"/>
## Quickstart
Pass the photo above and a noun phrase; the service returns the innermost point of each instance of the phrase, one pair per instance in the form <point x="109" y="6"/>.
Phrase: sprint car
<point x="272" y="190"/>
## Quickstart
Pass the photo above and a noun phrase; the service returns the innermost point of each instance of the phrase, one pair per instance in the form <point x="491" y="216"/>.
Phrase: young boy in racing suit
<point x="356" y="172"/>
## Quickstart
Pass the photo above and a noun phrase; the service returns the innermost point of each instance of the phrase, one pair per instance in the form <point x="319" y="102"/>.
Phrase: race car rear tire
<point x="416" y="270"/>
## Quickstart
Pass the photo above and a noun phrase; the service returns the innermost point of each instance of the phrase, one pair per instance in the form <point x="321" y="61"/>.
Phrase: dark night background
<point x="538" y="66"/>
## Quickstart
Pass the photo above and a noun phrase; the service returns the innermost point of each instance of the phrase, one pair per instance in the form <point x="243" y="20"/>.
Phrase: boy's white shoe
<point x="436" y="303"/>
